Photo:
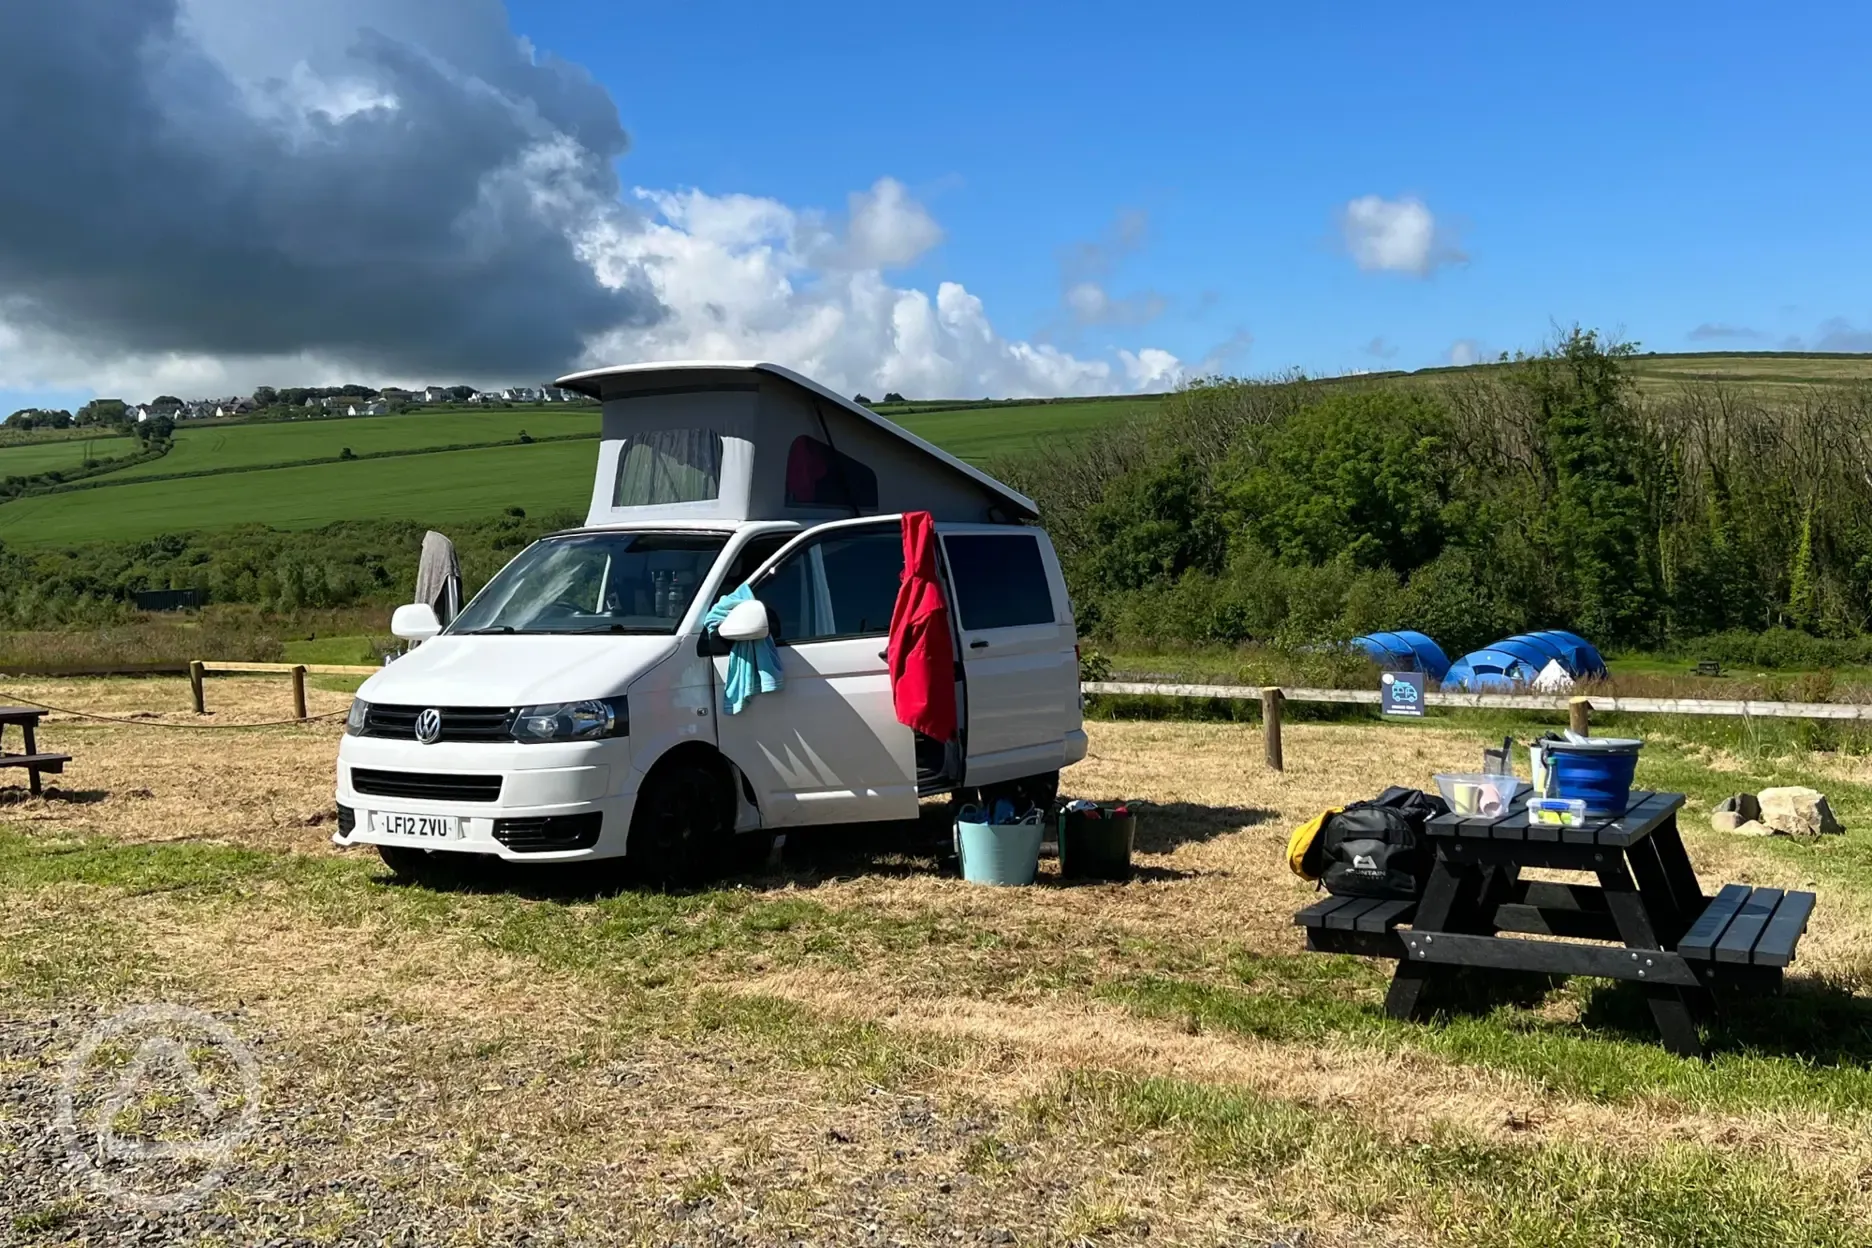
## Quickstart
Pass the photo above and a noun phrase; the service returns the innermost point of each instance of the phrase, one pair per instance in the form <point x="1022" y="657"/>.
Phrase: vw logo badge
<point x="429" y="726"/>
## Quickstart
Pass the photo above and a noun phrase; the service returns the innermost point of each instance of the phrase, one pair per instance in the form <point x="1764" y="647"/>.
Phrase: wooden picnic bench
<point x="1646" y="920"/>
<point x="32" y="760"/>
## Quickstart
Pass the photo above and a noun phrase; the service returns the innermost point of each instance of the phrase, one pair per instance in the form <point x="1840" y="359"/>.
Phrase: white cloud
<point x="888" y="228"/>
<point x="1465" y="351"/>
<point x="1396" y="236"/>
<point x="746" y="277"/>
<point x="741" y="276"/>
<point x="488" y="242"/>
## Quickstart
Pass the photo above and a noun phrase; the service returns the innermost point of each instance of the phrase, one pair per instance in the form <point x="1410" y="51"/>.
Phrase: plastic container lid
<point x="1595" y="745"/>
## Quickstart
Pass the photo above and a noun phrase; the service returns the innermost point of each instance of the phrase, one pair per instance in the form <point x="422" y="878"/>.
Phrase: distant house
<point x="435" y="394"/>
<point x="376" y="407"/>
<point x="141" y="413"/>
<point x="478" y="398"/>
<point x="391" y="394"/>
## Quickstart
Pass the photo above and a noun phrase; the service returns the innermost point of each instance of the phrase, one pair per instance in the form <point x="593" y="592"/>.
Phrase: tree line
<point x="1547" y="492"/>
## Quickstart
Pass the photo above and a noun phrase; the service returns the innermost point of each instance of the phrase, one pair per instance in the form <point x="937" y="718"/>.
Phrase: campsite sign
<point x="1401" y="693"/>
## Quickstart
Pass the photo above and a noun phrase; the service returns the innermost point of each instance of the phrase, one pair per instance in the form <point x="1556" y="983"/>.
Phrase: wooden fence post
<point x="1579" y="716"/>
<point x="298" y="679"/>
<point x="195" y="685"/>
<point x="1271" y="702"/>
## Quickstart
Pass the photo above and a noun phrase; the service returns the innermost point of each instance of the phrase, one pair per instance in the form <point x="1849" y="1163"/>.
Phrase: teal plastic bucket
<point x="997" y="853"/>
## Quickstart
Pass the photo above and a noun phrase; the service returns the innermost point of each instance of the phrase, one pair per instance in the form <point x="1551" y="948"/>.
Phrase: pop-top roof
<point x="592" y="382"/>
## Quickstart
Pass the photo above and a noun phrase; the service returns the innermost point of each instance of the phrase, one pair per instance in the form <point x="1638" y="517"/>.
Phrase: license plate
<point x="419" y="827"/>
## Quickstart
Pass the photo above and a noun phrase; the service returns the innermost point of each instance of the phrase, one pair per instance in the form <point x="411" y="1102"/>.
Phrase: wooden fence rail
<point x="1607" y="703"/>
<point x="1578" y="708"/>
<point x="199" y="669"/>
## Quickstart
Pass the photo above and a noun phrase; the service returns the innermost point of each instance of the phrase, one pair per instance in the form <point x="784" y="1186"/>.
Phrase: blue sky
<point x="1328" y="188"/>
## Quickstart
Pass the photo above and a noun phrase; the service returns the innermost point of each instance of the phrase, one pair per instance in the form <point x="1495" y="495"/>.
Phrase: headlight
<point x="354" y="721"/>
<point x="573" y="721"/>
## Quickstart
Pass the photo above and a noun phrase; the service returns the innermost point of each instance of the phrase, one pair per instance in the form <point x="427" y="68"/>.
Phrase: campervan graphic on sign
<point x="574" y="708"/>
<point x="1401" y="693"/>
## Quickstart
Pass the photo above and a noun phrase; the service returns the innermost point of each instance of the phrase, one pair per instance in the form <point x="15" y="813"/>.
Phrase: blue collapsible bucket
<point x="1598" y="772"/>
<point x="998" y="853"/>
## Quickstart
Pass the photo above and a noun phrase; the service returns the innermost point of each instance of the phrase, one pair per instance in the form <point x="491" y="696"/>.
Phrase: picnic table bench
<point x="32" y="760"/>
<point x="1646" y="920"/>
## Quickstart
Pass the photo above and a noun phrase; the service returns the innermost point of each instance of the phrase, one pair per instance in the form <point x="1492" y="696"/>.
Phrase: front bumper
<point x="536" y="782"/>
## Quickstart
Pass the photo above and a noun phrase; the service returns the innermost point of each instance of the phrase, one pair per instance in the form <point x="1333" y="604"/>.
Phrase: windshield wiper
<point x="617" y="628"/>
<point x="482" y="632"/>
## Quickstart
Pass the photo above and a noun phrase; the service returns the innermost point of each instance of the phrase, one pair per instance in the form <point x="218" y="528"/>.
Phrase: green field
<point x="982" y="433"/>
<point x="450" y="485"/>
<point x="239" y="447"/>
<point x="26" y="459"/>
<point x="244" y="484"/>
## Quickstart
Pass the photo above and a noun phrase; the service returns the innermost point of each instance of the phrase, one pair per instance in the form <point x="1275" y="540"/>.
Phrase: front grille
<point x="427" y="786"/>
<point x="539" y="836"/>
<point x="347" y="820"/>
<point x="459" y="723"/>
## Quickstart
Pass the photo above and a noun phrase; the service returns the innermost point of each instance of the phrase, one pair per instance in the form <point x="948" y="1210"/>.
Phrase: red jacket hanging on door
<point x="921" y="653"/>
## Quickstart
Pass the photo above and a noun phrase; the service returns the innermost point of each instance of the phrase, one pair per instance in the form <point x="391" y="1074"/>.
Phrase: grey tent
<point x="438" y="576"/>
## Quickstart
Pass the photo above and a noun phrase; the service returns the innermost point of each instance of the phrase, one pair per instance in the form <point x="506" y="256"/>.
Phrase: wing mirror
<point x="745" y="621"/>
<point x="415" y="621"/>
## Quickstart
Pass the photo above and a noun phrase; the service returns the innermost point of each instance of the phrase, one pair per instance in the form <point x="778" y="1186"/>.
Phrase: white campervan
<point x="574" y="708"/>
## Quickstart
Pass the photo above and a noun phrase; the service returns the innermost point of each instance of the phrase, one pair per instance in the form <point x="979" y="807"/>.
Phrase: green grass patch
<point x="350" y="649"/>
<point x="244" y="481"/>
<point x="220" y="448"/>
<point x="984" y="433"/>
<point x="449" y="485"/>
<point x="1463" y="1190"/>
<point x="26" y="459"/>
<point x="1810" y="1048"/>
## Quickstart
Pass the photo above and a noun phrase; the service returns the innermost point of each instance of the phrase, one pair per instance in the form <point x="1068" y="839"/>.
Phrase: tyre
<point x="407" y="863"/>
<point x="683" y="827"/>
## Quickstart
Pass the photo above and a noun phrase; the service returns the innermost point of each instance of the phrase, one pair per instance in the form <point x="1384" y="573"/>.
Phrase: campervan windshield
<point x="595" y="583"/>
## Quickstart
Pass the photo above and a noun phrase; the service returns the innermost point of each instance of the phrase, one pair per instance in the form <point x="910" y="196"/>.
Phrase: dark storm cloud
<point x="156" y="197"/>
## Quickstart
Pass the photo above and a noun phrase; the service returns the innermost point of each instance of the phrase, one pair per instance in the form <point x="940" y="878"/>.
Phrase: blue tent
<point x="1534" y="649"/>
<point x="1491" y="671"/>
<point x="1406" y="651"/>
<point x="1518" y="660"/>
<point x="1577" y="654"/>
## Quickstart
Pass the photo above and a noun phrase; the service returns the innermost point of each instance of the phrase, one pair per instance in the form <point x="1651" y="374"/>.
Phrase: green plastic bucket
<point x="1096" y="848"/>
<point x="998" y="853"/>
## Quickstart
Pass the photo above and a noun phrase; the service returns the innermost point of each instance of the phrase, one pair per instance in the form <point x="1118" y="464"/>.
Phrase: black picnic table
<point x="1646" y="920"/>
<point x="32" y="760"/>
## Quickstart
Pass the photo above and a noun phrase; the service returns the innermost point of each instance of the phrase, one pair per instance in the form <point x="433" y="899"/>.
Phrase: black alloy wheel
<point x="683" y="827"/>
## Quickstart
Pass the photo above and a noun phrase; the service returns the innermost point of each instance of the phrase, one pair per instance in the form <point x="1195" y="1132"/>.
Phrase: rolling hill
<point x="413" y="467"/>
<point x="448" y="464"/>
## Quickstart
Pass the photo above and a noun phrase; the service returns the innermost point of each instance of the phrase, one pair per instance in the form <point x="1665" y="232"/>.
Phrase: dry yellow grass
<point x="486" y="1081"/>
<point x="166" y="776"/>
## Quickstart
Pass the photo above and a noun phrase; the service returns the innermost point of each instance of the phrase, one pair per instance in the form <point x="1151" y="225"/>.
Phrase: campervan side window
<point x="664" y="466"/>
<point x="819" y="476"/>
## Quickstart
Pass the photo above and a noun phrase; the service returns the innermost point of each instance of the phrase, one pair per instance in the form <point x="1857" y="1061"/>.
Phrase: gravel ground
<point x="723" y="1157"/>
